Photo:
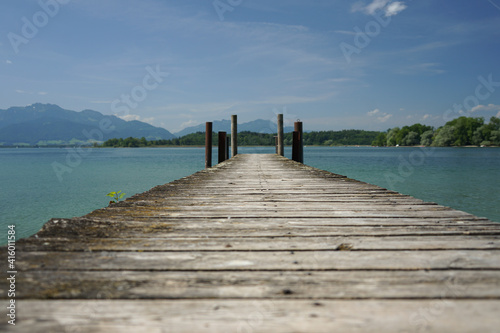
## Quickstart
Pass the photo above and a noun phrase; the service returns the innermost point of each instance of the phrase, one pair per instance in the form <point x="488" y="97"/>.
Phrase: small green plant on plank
<point x="117" y="196"/>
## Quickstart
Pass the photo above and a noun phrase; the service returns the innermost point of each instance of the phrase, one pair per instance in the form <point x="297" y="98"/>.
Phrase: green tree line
<point x="322" y="138"/>
<point x="461" y="131"/>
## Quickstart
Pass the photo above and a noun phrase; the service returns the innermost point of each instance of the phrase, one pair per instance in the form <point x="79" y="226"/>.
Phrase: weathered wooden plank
<point x="223" y="198"/>
<point x="225" y="227"/>
<point x="333" y="199"/>
<point x="265" y="260"/>
<point x="243" y="285"/>
<point x="279" y="316"/>
<point x="280" y="221"/>
<point x="201" y="243"/>
<point x="274" y="212"/>
<point x="256" y="207"/>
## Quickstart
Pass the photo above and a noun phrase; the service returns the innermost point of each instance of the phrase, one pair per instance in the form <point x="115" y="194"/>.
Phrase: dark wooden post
<point x="222" y="146"/>
<point x="300" y="144"/>
<point x="281" y="148"/>
<point x="208" y="145"/>
<point x="276" y="144"/>
<point x="295" y="146"/>
<point x="234" y="135"/>
<point x="228" y="141"/>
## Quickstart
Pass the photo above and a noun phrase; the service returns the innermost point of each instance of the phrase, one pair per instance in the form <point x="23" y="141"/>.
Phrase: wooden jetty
<point x="260" y="243"/>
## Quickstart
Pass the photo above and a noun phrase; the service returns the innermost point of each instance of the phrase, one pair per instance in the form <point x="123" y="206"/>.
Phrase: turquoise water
<point x="467" y="179"/>
<point x="32" y="192"/>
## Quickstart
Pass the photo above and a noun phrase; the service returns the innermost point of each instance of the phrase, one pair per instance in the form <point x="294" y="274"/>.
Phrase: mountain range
<point x="49" y="124"/>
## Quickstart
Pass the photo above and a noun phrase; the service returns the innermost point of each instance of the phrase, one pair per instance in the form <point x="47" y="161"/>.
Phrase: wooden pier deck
<point x="260" y="243"/>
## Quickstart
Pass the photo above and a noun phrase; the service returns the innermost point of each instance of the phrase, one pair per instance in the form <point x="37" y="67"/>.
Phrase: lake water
<point x="32" y="191"/>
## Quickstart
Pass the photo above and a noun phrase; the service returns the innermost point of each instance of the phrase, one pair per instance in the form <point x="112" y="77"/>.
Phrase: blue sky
<point x="334" y="64"/>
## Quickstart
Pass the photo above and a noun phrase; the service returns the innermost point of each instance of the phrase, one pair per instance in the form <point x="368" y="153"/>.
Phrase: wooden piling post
<point x="228" y="141"/>
<point x="276" y="144"/>
<point x="234" y="135"/>
<point x="208" y="145"/>
<point x="295" y="146"/>
<point x="281" y="148"/>
<point x="222" y="146"/>
<point x="300" y="141"/>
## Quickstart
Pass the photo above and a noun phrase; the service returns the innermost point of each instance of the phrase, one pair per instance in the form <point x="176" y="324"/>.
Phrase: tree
<point x="480" y="135"/>
<point x="401" y="134"/>
<point x="445" y="136"/>
<point x="495" y="138"/>
<point x="426" y="138"/>
<point x="411" y="139"/>
<point x="458" y="132"/>
<point x="493" y="129"/>
<point x="380" y="140"/>
<point x="465" y="128"/>
<point x="391" y="136"/>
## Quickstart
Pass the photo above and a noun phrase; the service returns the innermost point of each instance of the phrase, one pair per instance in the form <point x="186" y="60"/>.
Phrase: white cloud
<point x="41" y="93"/>
<point x="425" y="68"/>
<point x="486" y="108"/>
<point x="129" y="117"/>
<point x="376" y="5"/>
<point x="346" y="32"/>
<point x="149" y="120"/>
<point x="395" y="8"/>
<point x="430" y="46"/>
<point x="389" y="7"/>
<point x="8" y="62"/>
<point x="189" y="123"/>
<point x="382" y="117"/>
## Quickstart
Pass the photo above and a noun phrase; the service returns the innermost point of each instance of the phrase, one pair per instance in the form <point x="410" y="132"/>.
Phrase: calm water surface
<point x="31" y="192"/>
<point x="467" y="179"/>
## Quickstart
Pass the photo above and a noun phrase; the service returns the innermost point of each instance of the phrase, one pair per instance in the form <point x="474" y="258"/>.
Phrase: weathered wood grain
<point x="259" y="315"/>
<point x="163" y="227"/>
<point x="449" y="284"/>
<point x="201" y="243"/>
<point x="254" y="260"/>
